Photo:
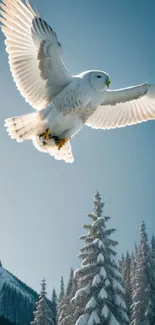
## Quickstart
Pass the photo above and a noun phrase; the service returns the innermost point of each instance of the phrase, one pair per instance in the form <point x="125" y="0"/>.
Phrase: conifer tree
<point x="43" y="314"/>
<point x="54" y="307"/>
<point x="70" y="283"/>
<point x="141" y="295"/>
<point x="152" y="280"/>
<point x="62" y="289"/>
<point x="125" y="265"/>
<point x="100" y="299"/>
<point x="66" y="308"/>
<point x="134" y="260"/>
<point x="61" y="299"/>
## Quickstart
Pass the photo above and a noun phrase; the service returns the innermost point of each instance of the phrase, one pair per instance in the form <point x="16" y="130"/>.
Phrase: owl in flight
<point x="63" y="103"/>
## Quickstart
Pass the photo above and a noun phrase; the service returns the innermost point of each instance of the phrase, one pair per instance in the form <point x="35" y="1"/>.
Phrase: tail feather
<point x="20" y="120"/>
<point x="65" y="153"/>
<point x="29" y="126"/>
<point x="24" y="126"/>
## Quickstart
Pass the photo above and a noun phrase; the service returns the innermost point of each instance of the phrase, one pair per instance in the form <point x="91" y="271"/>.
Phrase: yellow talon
<point x="47" y="133"/>
<point x="62" y="143"/>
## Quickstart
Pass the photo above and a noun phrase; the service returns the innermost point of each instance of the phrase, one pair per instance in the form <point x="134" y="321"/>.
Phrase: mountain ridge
<point x="17" y="300"/>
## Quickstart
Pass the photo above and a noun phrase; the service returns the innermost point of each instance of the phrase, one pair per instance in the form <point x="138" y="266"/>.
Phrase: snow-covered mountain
<point x="17" y="300"/>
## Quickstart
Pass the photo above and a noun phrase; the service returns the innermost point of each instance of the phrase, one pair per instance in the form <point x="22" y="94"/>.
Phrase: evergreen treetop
<point x="43" y="314"/>
<point x="101" y="294"/>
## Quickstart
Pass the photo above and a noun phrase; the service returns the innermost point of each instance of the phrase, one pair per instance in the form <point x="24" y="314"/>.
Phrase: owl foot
<point x="45" y="136"/>
<point x="61" y="143"/>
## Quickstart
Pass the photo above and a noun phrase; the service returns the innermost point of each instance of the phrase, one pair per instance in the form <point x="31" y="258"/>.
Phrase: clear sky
<point x="44" y="202"/>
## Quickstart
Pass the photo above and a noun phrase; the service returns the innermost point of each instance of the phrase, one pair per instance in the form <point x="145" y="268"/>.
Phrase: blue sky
<point x="44" y="202"/>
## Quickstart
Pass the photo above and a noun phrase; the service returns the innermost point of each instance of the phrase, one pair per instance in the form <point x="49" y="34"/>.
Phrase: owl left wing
<point x="35" y="55"/>
<point x="124" y="107"/>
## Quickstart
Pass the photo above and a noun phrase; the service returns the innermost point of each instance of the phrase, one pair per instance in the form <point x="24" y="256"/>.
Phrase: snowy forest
<point x="104" y="290"/>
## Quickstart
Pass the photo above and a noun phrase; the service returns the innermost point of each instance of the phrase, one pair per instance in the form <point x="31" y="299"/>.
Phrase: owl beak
<point x="108" y="82"/>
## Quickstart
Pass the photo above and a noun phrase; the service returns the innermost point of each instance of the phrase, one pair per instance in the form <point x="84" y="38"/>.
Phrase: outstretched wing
<point x="124" y="107"/>
<point x="34" y="53"/>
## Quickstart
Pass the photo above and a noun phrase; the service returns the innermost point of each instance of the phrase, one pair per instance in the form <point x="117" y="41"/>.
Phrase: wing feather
<point x="124" y="107"/>
<point x="34" y="53"/>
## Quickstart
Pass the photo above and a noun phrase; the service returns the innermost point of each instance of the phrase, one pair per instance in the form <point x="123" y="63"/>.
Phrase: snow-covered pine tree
<point x="66" y="308"/>
<point x="122" y="263"/>
<point x="70" y="283"/>
<point x="62" y="289"/>
<point x="54" y="307"/>
<point x="125" y="265"/>
<point x="100" y="299"/>
<point x="134" y="261"/>
<point x="152" y="280"/>
<point x="141" y="295"/>
<point x="43" y="314"/>
<point x="61" y="299"/>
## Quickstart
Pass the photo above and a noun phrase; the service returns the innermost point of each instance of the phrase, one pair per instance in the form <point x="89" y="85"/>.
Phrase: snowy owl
<point x="63" y="103"/>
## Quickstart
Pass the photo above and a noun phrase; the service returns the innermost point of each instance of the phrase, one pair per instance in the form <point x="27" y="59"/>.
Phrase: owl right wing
<point x="124" y="107"/>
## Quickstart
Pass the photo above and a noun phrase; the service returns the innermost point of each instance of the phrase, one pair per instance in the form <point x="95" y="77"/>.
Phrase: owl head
<point x="99" y="80"/>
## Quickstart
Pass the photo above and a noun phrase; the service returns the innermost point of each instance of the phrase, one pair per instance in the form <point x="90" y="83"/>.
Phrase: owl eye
<point x="99" y="77"/>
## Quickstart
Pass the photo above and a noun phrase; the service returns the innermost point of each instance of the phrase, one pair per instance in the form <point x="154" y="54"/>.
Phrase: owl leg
<point x="59" y="142"/>
<point x="47" y="133"/>
<point x="45" y="136"/>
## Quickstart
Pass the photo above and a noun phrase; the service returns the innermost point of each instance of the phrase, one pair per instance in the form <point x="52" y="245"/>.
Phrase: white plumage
<point x="124" y="107"/>
<point x="63" y="103"/>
